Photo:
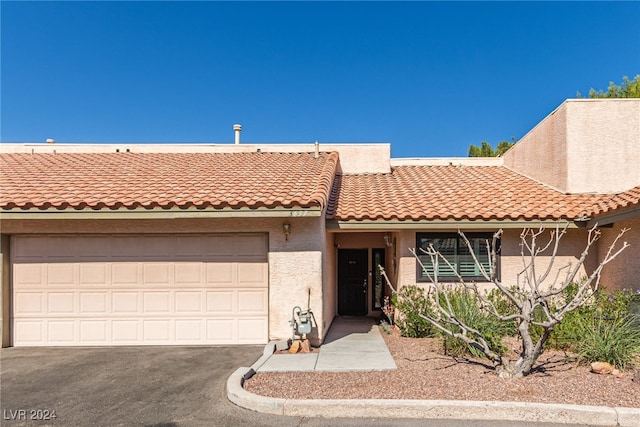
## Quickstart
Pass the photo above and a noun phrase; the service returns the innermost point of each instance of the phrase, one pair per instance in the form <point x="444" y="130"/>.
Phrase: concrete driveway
<point x="143" y="386"/>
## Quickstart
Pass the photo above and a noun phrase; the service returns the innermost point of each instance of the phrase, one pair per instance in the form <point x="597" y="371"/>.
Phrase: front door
<point x="353" y="269"/>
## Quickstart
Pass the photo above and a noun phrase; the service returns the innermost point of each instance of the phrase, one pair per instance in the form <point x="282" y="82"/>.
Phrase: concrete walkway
<point x="352" y="344"/>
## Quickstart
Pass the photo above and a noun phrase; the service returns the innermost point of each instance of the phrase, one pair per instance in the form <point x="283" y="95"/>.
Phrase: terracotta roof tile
<point x="617" y="202"/>
<point x="452" y="192"/>
<point x="165" y="180"/>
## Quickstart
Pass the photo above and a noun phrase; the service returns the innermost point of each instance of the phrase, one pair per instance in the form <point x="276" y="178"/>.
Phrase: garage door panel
<point x="94" y="303"/>
<point x="251" y="274"/>
<point x="220" y="274"/>
<point x="221" y="302"/>
<point x="189" y="247"/>
<point x="125" y="302"/>
<point x="251" y="246"/>
<point x="126" y="247"/>
<point x="189" y="302"/>
<point x="158" y="247"/>
<point x="31" y="332"/>
<point x="156" y="302"/>
<point x="61" y="332"/>
<point x="30" y="247"/>
<point x="221" y="330"/>
<point x="189" y="330"/>
<point x="61" y="274"/>
<point x="61" y="303"/>
<point x="126" y="331"/>
<point x="157" y="273"/>
<point x="156" y="331"/>
<point x="139" y="290"/>
<point x="29" y="303"/>
<point x="29" y="274"/>
<point x="252" y="302"/>
<point x="94" y="332"/>
<point x="221" y="247"/>
<point x="94" y="274"/>
<point x="189" y="273"/>
<point x="61" y="247"/>
<point x="249" y="330"/>
<point x="125" y="273"/>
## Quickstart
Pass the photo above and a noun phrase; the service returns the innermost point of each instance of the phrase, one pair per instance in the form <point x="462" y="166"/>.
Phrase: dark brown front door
<point x="353" y="269"/>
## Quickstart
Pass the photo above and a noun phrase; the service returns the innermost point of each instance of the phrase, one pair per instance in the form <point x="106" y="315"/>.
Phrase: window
<point x="378" y="281"/>
<point x="453" y="247"/>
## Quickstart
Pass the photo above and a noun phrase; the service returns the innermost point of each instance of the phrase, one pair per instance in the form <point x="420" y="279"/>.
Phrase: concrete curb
<point x="426" y="409"/>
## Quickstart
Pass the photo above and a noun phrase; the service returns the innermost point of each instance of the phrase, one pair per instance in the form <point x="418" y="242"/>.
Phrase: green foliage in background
<point x="486" y="150"/>
<point x="627" y="89"/>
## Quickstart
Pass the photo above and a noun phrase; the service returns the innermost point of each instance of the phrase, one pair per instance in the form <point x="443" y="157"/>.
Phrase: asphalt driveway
<point x="154" y="386"/>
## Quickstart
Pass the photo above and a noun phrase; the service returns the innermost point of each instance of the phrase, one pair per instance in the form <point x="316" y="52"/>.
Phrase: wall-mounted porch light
<point x="387" y="239"/>
<point x="286" y="229"/>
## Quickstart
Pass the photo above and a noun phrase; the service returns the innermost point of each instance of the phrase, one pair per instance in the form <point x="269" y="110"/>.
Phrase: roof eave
<point x="263" y="212"/>
<point x="615" y="216"/>
<point x="443" y="224"/>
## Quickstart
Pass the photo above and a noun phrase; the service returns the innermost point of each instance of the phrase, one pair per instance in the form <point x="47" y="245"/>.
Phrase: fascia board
<point x="442" y="224"/>
<point x="162" y="214"/>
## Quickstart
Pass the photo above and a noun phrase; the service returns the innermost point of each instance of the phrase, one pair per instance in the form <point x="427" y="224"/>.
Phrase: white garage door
<point x="139" y="290"/>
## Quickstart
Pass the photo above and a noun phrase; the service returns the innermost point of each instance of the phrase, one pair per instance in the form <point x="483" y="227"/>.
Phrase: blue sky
<point x="428" y="77"/>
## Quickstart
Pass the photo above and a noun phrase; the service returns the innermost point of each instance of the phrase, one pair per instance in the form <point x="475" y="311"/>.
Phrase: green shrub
<point x="466" y="306"/>
<point x="410" y="301"/>
<point x="608" y="339"/>
<point x="568" y="334"/>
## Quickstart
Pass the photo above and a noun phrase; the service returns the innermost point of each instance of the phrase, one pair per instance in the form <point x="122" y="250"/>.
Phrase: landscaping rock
<point x="602" y="368"/>
<point x="305" y="346"/>
<point x="295" y="347"/>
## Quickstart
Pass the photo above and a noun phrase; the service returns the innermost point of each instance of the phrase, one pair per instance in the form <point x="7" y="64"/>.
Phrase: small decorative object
<point x="388" y="309"/>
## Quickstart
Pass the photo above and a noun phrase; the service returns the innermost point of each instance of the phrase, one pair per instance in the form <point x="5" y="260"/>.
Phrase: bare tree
<point x="534" y="291"/>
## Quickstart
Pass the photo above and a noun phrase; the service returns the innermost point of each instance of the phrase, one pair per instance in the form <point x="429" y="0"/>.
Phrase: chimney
<point x="237" y="129"/>
<point x="51" y="141"/>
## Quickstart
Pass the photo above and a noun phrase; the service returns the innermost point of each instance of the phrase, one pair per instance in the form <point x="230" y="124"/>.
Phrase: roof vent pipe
<point x="51" y="141"/>
<point x="237" y="129"/>
<point x="317" y="147"/>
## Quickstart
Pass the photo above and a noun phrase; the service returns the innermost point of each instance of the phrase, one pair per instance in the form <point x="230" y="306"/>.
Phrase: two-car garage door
<point x="139" y="290"/>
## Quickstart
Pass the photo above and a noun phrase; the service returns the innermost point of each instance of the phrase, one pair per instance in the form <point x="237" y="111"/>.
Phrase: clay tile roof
<point x="452" y="193"/>
<point x="618" y="202"/>
<point x="165" y="180"/>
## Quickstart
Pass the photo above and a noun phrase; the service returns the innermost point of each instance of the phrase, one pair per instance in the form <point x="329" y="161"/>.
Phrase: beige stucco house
<point x="215" y="244"/>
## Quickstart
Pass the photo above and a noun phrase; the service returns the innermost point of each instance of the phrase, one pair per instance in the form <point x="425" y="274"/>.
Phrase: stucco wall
<point x="624" y="271"/>
<point x="603" y="139"/>
<point x="542" y="153"/>
<point x="294" y="265"/>
<point x="4" y="291"/>
<point x="583" y="146"/>
<point x="569" y="250"/>
<point x="354" y="158"/>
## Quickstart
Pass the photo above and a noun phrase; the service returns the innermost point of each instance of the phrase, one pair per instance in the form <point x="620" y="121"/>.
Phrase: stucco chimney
<point x="237" y="129"/>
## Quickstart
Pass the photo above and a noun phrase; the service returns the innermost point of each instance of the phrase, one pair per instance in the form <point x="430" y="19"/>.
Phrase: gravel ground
<point x="424" y="373"/>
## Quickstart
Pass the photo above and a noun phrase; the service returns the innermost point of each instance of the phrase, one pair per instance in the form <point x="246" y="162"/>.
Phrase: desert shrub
<point x="467" y="308"/>
<point x="411" y="301"/>
<point x="608" y="339"/>
<point x="603" y="307"/>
